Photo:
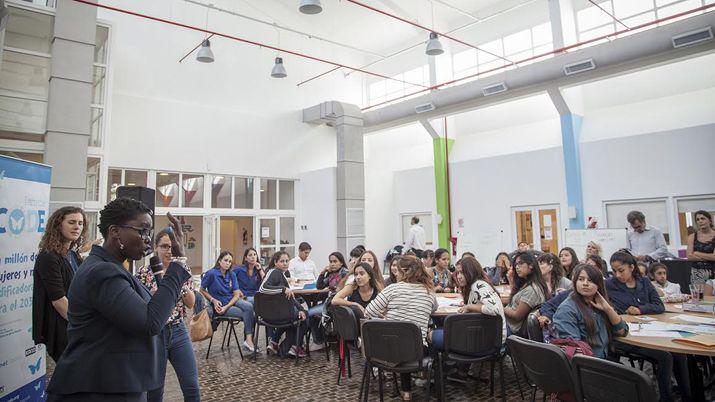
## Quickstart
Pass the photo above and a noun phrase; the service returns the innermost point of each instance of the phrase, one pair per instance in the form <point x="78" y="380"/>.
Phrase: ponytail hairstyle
<point x="625" y="257"/>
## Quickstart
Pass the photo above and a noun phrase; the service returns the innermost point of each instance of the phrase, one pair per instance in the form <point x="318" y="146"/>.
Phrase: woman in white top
<point x="478" y="294"/>
<point x="412" y="299"/>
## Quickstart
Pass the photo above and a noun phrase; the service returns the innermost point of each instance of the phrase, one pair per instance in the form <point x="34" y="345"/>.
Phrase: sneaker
<point x="420" y="382"/>
<point x="250" y="348"/>
<point x="316" y="346"/>
<point x="272" y="347"/>
<point x="297" y="351"/>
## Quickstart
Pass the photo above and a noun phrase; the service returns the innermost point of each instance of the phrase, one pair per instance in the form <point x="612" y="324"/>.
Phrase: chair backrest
<point x="533" y="328"/>
<point x="472" y="334"/>
<point x="345" y="322"/>
<point x="600" y="380"/>
<point x="274" y="308"/>
<point x="544" y="365"/>
<point x="392" y="342"/>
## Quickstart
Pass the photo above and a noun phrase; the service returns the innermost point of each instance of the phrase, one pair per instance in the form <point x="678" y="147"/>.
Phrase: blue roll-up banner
<point x="24" y="204"/>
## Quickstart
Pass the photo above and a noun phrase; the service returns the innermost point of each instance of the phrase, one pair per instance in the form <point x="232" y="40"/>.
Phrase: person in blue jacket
<point x="632" y="294"/>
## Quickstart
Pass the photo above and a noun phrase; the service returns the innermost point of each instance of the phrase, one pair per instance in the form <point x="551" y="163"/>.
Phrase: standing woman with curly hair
<point x="55" y="266"/>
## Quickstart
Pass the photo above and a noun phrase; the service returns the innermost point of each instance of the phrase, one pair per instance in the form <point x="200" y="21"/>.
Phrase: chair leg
<point x="347" y="362"/>
<point x="501" y="379"/>
<point x="340" y="368"/>
<point x="256" y="328"/>
<point x="368" y="374"/>
<point x="516" y="375"/>
<point x="429" y="382"/>
<point x="394" y="383"/>
<point x="327" y="350"/>
<point x="380" y="385"/>
<point x="362" y="382"/>
<point x="235" y="336"/>
<point x="225" y="332"/>
<point x="209" y="349"/>
<point x="440" y="377"/>
<point x="297" y="342"/>
<point x="491" y="378"/>
<point x="533" y="395"/>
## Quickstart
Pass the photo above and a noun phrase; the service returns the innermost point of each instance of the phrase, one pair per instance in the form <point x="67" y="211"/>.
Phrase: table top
<point x="661" y="342"/>
<point x="678" y="308"/>
<point x="298" y="288"/>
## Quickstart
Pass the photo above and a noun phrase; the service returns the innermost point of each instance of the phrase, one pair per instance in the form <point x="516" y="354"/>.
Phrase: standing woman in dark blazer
<point x="55" y="266"/>
<point x="114" y="353"/>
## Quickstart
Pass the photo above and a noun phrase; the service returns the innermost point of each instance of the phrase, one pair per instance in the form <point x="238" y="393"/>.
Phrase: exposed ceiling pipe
<point x="444" y="35"/>
<point x="555" y="52"/>
<point x="628" y="54"/>
<point x="421" y="43"/>
<point x="238" y="39"/>
<point x="283" y="28"/>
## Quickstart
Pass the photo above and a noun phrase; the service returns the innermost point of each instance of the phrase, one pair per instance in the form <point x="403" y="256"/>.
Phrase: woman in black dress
<point x="55" y="266"/>
<point x="701" y="248"/>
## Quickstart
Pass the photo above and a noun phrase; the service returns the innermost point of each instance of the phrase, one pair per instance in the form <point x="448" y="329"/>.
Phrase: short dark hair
<point x="357" y="251"/>
<point x="415" y="219"/>
<point x="119" y="211"/>
<point x="705" y="214"/>
<point x="304" y="246"/>
<point x="635" y="216"/>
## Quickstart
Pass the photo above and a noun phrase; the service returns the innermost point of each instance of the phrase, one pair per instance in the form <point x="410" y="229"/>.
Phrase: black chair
<point x="472" y="338"/>
<point x="346" y="325"/>
<point x="600" y="380"/>
<point x="541" y="364"/>
<point x="217" y="320"/>
<point x="533" y="328"/>
<point x="275" y="311"/>
<point x="395" y="347"/>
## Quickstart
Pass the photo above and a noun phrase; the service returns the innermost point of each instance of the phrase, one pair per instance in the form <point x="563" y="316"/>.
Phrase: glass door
<point x="538" y="227"/>
<point x="266" y="241"/>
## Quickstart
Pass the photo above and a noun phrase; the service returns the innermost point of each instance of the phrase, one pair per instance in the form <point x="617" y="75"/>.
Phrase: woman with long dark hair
<point x="528" y="291"/>
<point x="442" y="278"/>
<point x="630" y="293"/>
<point x="395" y="273"/>
<point x="116" y="348"/>
<point x="55" y="266"/>
<point x="220" y="287"/>
<point x="249" y="274"/>
<point x="328" y="279"/>
<point x="179" y="351"/>
<point x="362" y="291"/>
<point x="498" y="273"/>
<point x="569" y="260"/>
<point x="587" y="315"/>
<point x="553" y="274"/>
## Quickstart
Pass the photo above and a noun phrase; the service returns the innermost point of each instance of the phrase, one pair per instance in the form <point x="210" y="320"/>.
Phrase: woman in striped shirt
<point x="411" y="299"/>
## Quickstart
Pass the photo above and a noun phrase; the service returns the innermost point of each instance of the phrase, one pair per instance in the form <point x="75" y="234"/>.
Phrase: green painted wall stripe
<point x="440" y="181"/>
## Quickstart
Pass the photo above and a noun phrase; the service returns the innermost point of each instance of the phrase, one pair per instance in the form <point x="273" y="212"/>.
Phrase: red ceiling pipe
<point x="553" y="52"/>
<point x="425" y="28"/>
<point x="250" y="42"/>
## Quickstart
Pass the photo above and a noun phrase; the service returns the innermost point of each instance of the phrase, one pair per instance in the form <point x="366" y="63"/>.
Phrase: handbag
<point x="200" y="326"/>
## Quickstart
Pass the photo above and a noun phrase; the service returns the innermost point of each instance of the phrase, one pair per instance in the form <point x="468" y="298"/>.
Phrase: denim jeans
<point x="276" y="333"/>
<point x="243" y="310"/>
<point x="180" y="354"/>
<point x="315" y="315"/>
<point x="668" y="364"/>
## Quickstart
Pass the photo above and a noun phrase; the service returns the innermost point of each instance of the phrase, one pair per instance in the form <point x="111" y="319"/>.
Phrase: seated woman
<point x="362" y="291"/>
<point x="659" y="279"/>
<point x="329" y="279"/>
<point x="368" y="257"/>
<point x="630" y="293"/>
<point x="599" y="263"/>
<point x="249" y="274"/>
<point x="528" y="291"/>
<point x="394" y="270"/>
<point x="569" y="260"/>
<point x="412" y="299"/>
<point x="553" y="274"/>
<point x="442" y="279"/>
<point x="498" y="273"/>
<point x="276" y="283"/>
<point x="428" y="258"/>
<point x="478" y="294"/>
<point x="593" y="248"/>
<point x="220" y="287"/>
<point x="587" y="315"/>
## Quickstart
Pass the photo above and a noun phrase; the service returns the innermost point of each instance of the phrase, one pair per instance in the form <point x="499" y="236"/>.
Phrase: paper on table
<point x="695" y="319"/>
<point x="443" y="302"/>
<point x="297" y="286"/>
<point x="659" y="334"/>
<point x="644" y="318"/>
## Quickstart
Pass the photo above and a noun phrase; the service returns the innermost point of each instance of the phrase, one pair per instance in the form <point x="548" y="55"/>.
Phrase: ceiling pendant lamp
<point x="205" y="55"/>
<point x="310" y="6"/>
<point x="278" y="70"/>
<point x="434" y="46"/>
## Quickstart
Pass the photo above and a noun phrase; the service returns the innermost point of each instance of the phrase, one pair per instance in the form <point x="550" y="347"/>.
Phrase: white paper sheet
<point x="445" y="301"/>
<point x="644" y="318"/>
<point x="659" y="334"/>
<point x="694" y="318"/>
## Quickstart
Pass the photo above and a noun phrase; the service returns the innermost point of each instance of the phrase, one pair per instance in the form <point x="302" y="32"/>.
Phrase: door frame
<point x="536" y="225"/>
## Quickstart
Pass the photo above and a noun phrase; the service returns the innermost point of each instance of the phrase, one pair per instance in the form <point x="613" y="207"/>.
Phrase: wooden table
<point x="678" y="308"/>
<point x="667" y="344"/>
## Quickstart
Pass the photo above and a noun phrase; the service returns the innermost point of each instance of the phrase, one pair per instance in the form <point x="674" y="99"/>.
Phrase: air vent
<point x="693" y="37"/>
<point x="427" y="107"/>
<point x="579" y="67"/>
<point x="494" y="89"/>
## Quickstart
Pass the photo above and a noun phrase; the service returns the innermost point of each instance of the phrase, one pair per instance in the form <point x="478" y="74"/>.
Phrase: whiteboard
<point x="611" y="240"/>
<point x="485" y="244"/>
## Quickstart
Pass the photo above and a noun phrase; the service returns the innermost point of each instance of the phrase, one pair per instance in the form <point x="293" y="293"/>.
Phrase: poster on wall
<point x="24" y="204"/>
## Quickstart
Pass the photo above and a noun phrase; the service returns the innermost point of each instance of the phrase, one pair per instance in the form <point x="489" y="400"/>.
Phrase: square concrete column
<point x="70" y="96"/>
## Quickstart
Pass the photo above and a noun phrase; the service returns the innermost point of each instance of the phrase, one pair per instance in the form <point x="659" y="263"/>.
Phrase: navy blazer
<point x="113" y="326"/>
<point x="645" y="297"/>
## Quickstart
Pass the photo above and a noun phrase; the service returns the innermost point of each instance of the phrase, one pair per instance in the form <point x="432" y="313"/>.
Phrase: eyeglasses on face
<point x="145" y="233"/>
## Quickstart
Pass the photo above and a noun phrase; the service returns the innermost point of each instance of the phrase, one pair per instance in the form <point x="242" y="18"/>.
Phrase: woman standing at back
<point x="54" y="269"/>
<point x="412" y="299"/>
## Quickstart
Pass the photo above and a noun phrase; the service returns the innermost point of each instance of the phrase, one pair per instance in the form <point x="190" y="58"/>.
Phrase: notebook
<point x="698" y="341"/>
